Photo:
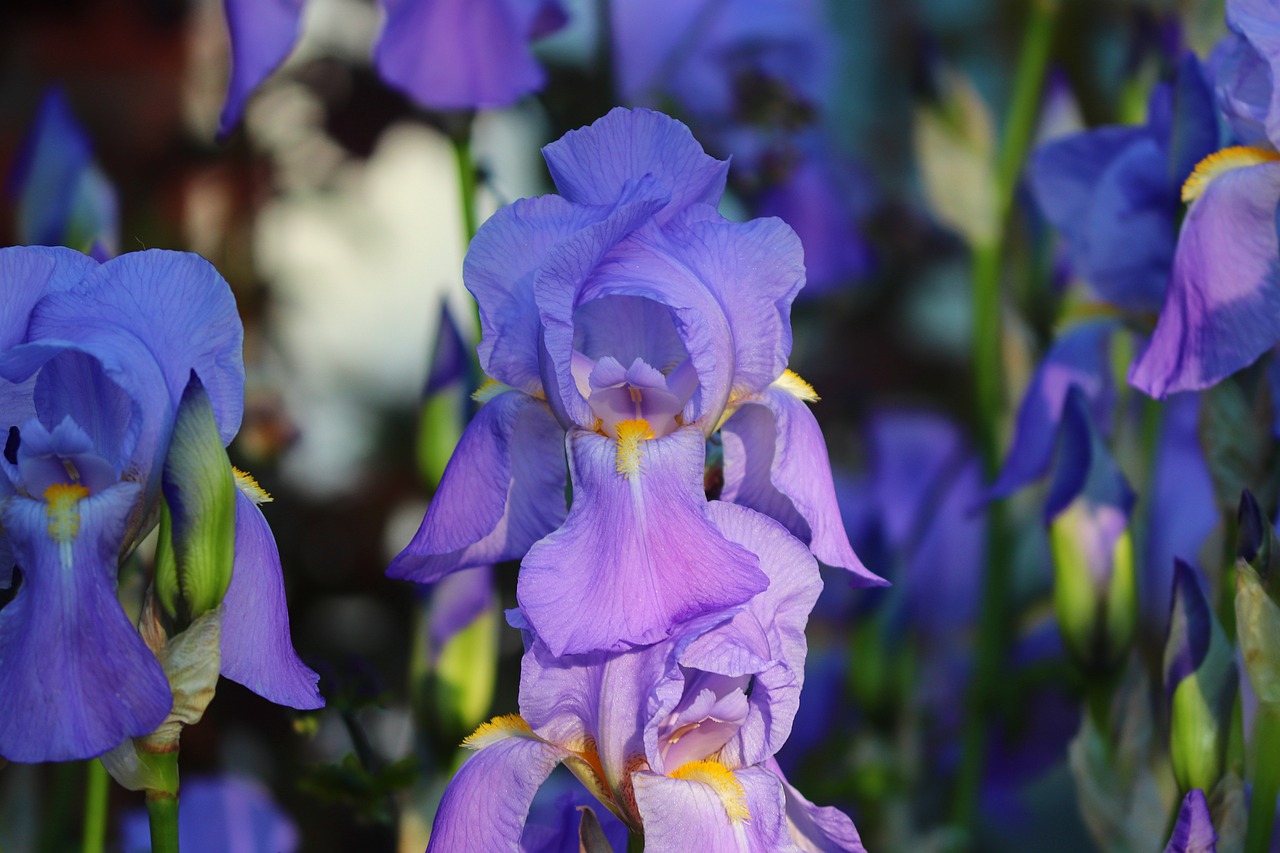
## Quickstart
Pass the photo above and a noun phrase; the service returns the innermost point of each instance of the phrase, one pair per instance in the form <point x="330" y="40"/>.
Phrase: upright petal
<point x="502" y="491"/>
<point x="487" y="802"/>
<point x="464" y="54"/>
<point x="637" y="555"/>
<point x="1222" y="310"/>
<point x="76" y="678"/>
<point x="776" y="463"/>
<point x="256" y="648"/>
<point x="594" y="164"/>
<point x="1258" y="22"/>
<point x="28" y="273"/>
<point x="262" y="35"/>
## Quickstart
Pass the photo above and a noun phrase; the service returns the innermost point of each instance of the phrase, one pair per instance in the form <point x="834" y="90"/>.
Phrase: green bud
<point x="1096" y="608"/>
<point x="1200" y="681"/>
<point x="198" y="515"/>
<point x="1256" y="544"/>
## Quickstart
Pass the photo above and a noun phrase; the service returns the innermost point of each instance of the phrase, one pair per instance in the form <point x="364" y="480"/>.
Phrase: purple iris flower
<point x="221" y="814"/>
<point x="627" y="322"/>
<point x="93" y="363"/>
<point x="1222" y="309"/>
<point x="1114" y="192"/>
<point x="675" y="738"/>
<point x="63" y="198"/>
<point x="445" y="54"/>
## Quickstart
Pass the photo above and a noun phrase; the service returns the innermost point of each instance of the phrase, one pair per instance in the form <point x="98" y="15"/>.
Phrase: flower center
<point x="62" y="500"/>
<point x="640" y="392"/>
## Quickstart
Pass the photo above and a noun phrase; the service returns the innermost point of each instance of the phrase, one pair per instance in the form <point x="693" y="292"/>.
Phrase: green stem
<point x="992" y="630"/>
<point x="466" y="182"/>
<point x="162" y="801"/>
<point x="94" y="838"/>
<point x="162" y="810"/>
<point x="1266" y="780"/>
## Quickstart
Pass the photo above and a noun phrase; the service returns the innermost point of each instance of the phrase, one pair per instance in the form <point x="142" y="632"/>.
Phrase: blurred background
<point x="333" y="211"/>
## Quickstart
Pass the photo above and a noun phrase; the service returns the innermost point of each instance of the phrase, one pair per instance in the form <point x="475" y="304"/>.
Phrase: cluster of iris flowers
<point x="639" y="446"/>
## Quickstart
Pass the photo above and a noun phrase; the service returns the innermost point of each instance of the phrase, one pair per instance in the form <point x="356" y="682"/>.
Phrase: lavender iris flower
<point x="1222" y="310"/>
<point x="445" y="54"/>
<point x="627" y="321"/>
<point x="675" y="738"/>
<point x="1194" y="832"/>
<point x="93" y="363"/>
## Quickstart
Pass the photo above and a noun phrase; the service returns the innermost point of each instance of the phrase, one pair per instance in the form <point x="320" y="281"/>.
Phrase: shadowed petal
<point x="262" y="35"/>
<point x="76" y="678"/>
<point x="1222" y="310"/>
<point x="256" y="649"/>
<point x="487" y="802"/>
<point x="220" y="814"/>
<point x="775" y="461"/>
<point x="637" y="555"/>
<point x="502" y="490"/>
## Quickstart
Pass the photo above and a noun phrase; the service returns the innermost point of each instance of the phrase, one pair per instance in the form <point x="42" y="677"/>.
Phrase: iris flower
<point x="675" y="738"/>
<point x="94" y="360"/>
<point x="627" y="322"/>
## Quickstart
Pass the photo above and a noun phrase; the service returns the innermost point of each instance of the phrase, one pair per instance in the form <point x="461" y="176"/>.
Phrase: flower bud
<point x="198" y="516"/>
<point x="1094" y="573"/>
<point x="1200" y="683"/>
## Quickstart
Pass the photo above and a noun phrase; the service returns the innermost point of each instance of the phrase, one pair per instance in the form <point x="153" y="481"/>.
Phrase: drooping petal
<point x="1194" y="832"/>
<point x="776" y="616"/>
<point x="1078" y="358"/>
<point x="76" y="678"/>
<point x="1222" y="309"/>
<point x="256" y="648"/>
<point x="776" y="463"/>
<point x="713" y="810"/>
<point x="486" y="803"/>
<point x="638" y="554"/>
<point x="816" y="829"/>
<point x="464" y="54"/>
<point x="262" y="35"/>
<point x="502" y="491"/>
<point x="594" y="164"/>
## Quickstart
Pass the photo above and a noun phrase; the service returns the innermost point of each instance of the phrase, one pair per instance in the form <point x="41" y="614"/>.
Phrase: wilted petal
<point x="502" y="491"/>
<point x="694" y="813"/>
<point x="1078" y="359"/>
<point x="775" y="462"/>
<point x="595" y="164"/>
<point x="637" y="555"/>
<point x="256" y="648"/>
<point x="816" y="829"/>
<point x="262" y="35"/>
<point x="487" y="802"/>
<point x="76" y="678"/>
<point x="1194" y="832"/>
<point x="464" y="54"/>
<point x="1222" y="310"/>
